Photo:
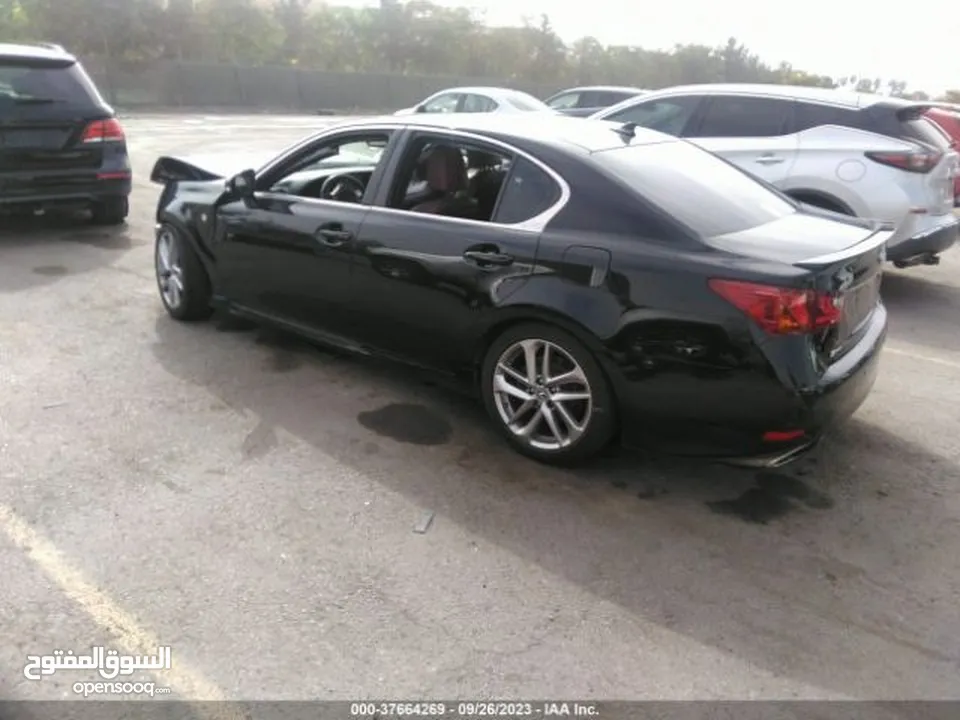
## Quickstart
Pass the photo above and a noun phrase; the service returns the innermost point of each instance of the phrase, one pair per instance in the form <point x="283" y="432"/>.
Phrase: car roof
<point x="557" y="130"/>
<point x="794" y="92"/>
<point x="489" y="89"/>
<point x="40" y="51"/>
<point x="603" y="88"/>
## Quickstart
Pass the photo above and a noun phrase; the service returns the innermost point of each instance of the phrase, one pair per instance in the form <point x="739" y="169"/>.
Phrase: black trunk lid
<point x="843" y="256"/>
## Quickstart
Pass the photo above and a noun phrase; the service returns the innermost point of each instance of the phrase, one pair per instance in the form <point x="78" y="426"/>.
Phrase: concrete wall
<point x="191" y="85"/>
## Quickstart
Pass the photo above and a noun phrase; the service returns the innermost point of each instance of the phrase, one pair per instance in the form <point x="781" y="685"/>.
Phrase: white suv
<point x="870" y="156"/>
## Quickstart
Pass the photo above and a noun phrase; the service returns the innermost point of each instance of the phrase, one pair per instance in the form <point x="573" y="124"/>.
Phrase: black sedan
<point x="592" y="281"/>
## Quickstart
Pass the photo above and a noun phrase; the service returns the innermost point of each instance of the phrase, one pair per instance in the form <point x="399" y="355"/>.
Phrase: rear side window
<point x="699" y="189"/>
<point x="529" y="192"/>
<point x="478" y="104"/>
<point x="446" y="103"/>
<point x="733" y="116"/>
<point x="926" y="132"/>
<point x="810" y="115"/>
<point x="26" y="83"/>
<point x="670" y="115"/>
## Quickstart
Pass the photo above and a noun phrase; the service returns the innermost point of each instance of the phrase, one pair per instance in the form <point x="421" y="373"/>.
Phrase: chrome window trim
<point x="536" y="224"/>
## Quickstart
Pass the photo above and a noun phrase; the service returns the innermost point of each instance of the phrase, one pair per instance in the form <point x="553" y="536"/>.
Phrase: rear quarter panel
<point x="832" y="161"/>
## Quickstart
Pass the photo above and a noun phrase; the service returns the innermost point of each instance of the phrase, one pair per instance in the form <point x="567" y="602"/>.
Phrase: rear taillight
<point x="778" y="310"/>
<point x="922" y="161"/>
<point x="103" y="131"/>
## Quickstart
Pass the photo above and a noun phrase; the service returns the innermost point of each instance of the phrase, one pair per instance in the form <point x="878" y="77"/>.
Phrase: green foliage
<point x="415" y="37"/>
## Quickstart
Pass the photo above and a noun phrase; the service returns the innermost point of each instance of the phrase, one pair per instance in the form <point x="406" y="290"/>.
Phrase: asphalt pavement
<point x="262" y="508"/>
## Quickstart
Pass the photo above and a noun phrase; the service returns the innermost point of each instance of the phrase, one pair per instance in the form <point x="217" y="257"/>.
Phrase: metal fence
<point x="192" y="85"/>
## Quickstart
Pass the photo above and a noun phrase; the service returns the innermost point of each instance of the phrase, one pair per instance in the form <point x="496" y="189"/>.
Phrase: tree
<point x="395" y="36"/>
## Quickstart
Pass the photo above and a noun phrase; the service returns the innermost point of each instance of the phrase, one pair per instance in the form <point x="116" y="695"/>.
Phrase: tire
<point x="823" y="204"/>
<point x="189" y="300"/>
<point x="596" y="416"/>
<point x="110" y="211"/>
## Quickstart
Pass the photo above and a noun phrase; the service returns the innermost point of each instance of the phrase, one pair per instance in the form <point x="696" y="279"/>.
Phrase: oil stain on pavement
<point x="407" y="423"/>
<point x="51" y="270"/>
<point x="774" y="495"/>
<point x="286" y="350"/>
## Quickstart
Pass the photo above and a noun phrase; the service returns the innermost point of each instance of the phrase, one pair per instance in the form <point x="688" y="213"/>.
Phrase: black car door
<point x="285" y="252"/>
<point x="421" y="280"/>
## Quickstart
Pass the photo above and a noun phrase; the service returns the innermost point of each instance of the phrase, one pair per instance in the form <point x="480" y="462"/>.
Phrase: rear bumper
<point x="73" y="190"/>
<point x="937" y="237"/>
<point x="727" y="417"/>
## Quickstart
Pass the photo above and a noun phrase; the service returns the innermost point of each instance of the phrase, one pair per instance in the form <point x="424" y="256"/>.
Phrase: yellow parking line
<point x="186" y="682"/>
<point x="920" y="356"/>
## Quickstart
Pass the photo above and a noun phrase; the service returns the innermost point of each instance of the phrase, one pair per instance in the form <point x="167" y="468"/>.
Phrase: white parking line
<point x="187" y="682"/>
<point x="921" y="356"/>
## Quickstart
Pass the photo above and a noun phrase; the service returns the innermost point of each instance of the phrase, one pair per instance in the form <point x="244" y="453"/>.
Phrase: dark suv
<point x="60" y="143"/>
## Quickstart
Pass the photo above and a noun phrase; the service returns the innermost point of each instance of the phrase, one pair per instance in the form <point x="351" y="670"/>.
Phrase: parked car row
<point x="867" y="156"/>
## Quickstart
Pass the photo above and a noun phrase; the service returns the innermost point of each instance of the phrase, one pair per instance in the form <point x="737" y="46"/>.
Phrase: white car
<point x="478" y="100"/>
<point x="870" y="156"/>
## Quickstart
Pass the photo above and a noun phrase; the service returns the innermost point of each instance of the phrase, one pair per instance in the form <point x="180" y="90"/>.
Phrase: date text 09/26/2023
<point x="375" y="710"/>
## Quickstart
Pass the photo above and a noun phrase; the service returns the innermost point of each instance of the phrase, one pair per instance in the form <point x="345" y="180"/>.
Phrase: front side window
<point x="442" y="104"/>
<point x="564" y="101"/>
<point x="669" y="115"/>
<point x="338" y="169"/>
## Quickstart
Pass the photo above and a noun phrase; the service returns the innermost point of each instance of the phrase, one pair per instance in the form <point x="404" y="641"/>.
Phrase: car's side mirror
<point x="242" y="185"/>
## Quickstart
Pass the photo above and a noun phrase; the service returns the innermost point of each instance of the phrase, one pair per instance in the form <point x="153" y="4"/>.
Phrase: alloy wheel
<point x="542" y="394"/>
<point x="169" y="269"/>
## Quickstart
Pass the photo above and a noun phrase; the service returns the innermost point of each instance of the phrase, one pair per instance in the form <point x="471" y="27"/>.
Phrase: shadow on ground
<point x="778" y="569"/>
<point x="40" y="249"/>
<point x="923" y="311"/>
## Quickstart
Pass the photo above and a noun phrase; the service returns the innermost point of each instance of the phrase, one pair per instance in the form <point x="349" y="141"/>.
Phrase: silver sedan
<point x="478" y="100"/>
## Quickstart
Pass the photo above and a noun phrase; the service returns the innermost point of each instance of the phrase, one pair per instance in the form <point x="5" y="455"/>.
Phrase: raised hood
<point x="213" y="166"/>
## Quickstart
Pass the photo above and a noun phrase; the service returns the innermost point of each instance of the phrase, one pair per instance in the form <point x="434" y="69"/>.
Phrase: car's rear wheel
<point x="822" y="203"/>
<point x="110" y="211"/>
<point x="183" y="282"/>
<point x="547" y="394"/>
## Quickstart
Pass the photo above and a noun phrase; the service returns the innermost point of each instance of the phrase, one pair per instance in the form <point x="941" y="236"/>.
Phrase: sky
<point x="828" y="37"/>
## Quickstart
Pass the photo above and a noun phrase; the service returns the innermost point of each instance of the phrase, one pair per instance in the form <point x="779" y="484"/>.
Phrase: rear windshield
<point x="707" y="194"/>
<point x="526" y="102"/>
<point x="25" y="84"/>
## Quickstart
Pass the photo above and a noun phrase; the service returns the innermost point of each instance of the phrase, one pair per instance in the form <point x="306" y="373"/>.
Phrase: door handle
<point x="488" y="257"/>
<point x="770" y="159"/>
<point x="333" y="235"/>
